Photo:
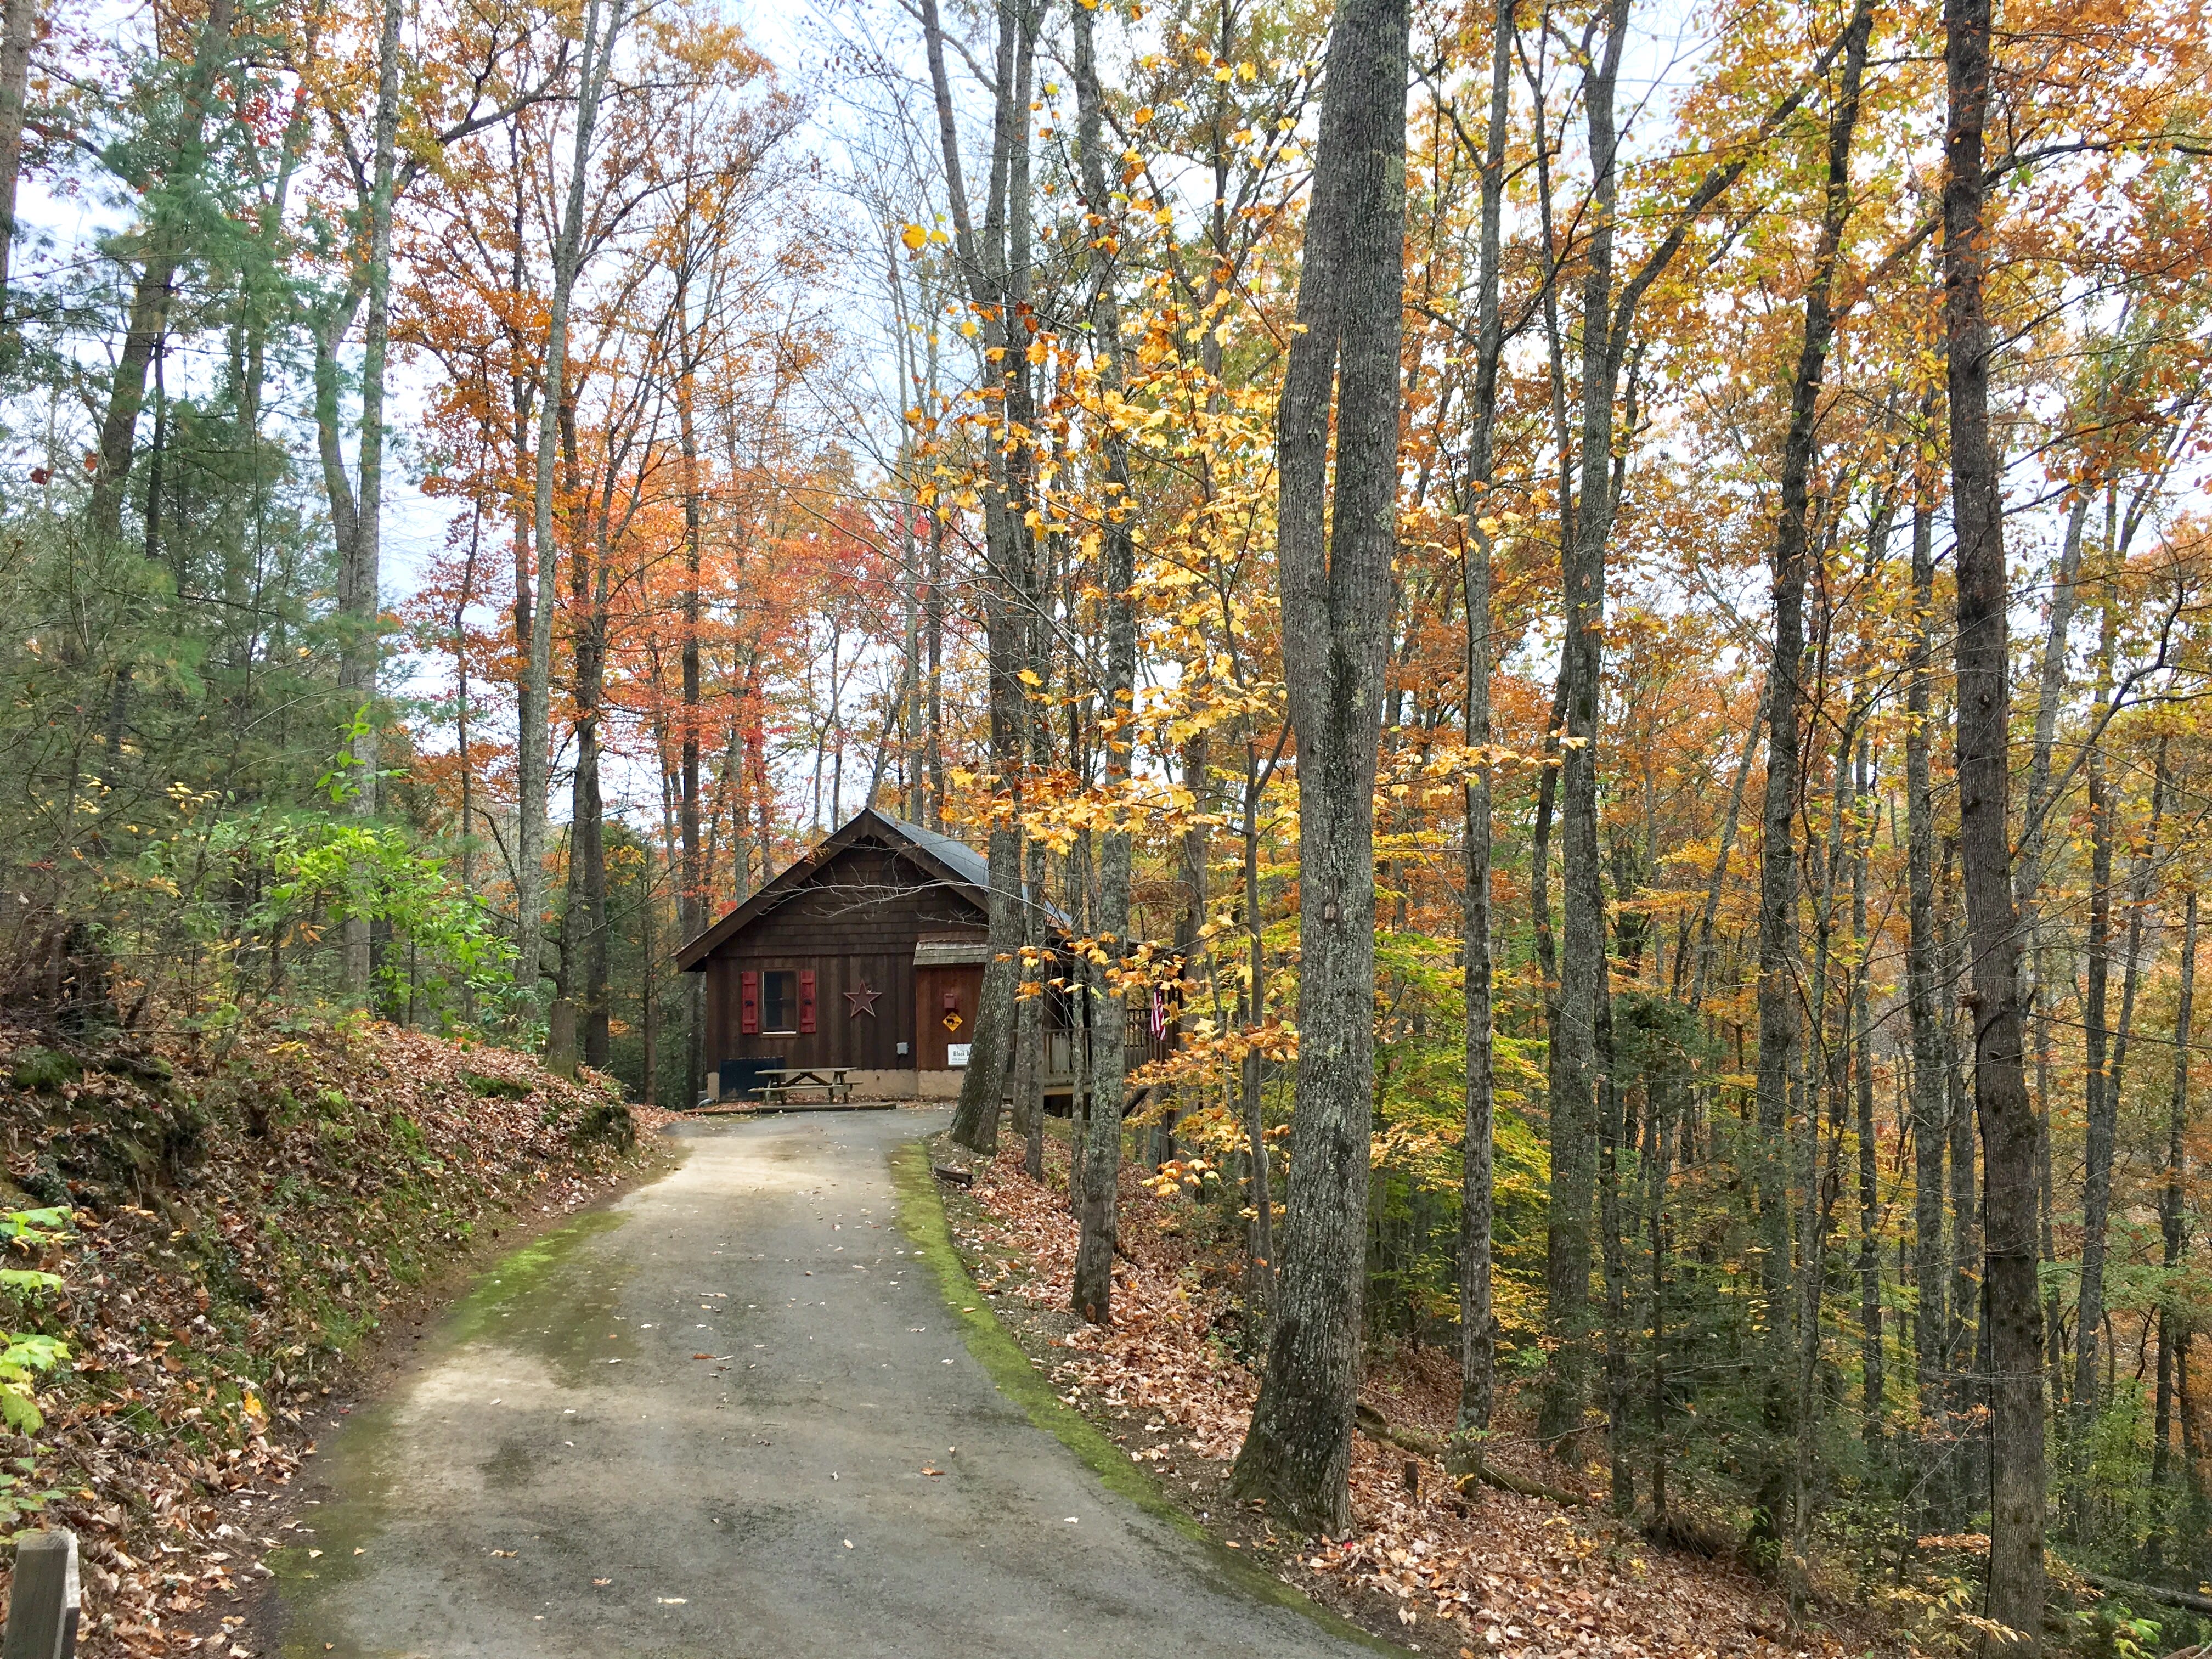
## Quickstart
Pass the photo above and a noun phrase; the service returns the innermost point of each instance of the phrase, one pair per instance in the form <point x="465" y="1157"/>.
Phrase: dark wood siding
<point x="855" y="924"/>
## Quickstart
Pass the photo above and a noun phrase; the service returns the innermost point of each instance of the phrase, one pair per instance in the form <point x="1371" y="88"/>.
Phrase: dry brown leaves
<point x="241" y="1225"/>
<point x="1494" y="1573"/>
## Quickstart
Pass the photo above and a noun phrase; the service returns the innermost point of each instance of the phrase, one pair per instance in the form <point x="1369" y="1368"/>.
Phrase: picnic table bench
<point x="833" y="1081"/>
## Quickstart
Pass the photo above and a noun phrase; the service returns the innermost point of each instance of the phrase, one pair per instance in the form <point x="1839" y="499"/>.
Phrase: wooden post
<point x="42" y="1610"/>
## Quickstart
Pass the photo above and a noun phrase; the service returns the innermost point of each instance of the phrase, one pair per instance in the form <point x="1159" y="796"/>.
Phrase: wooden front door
<point x="945" y="1000"/>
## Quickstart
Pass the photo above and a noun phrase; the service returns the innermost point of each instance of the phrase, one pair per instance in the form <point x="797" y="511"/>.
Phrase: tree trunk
<point x="1477" y="1344"/>
<point x="1260" y="1294"/>
<point x="19" y="24"/>
<point x="2100" y="1104"/>
<point x="361" y="573"/>
<point x="2008" y="1120"/>
<point x="2172" y="1220"/>
<point x="1962" y="1328"/>
<point x="691" y="899"/>
<point x="2142" y="865"/>
<point x="2050" y="694"/>
<point x="1582" y="924"/>
<point x="1701" y="973"/>
<point x="1190" y="917"/>
<point x="1029" y="1024"/>
<point x="994" y="266"/>
<point x="1336" y="603"/>
<point x="933" y="639"/>
<point x="165" y="248"/>
<point x="1873" y="1359"/>
<point x="2105" y="1072"/>
<point x="1102" y="1161"/>
<point x="588" y="844"/>
<point x="1779" y="990"/>
<point x="1613" y="1263"/>
<point x="534" y="735"/>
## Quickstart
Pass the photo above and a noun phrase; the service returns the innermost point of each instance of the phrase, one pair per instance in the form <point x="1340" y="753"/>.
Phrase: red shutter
<point x="805" y="1000"/>
<point x="749" y="1002"/>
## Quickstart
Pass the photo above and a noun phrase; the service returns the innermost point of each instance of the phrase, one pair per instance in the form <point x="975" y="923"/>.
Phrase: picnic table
<point x="835" y="1082"/>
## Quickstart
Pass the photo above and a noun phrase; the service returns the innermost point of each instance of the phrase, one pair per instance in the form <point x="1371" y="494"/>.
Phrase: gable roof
<point x="968" y="867"/>
<point x="971" y="866"/>
<point x="951" y="862"/>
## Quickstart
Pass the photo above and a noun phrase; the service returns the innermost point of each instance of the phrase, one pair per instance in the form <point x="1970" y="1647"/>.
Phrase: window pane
<point x="779" y="1002"/>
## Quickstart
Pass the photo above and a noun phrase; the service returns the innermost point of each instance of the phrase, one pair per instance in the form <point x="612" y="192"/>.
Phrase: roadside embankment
<point x="244" y="1220"/>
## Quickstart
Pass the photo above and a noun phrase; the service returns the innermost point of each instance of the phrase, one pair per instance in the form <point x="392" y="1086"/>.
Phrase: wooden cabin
<point x="869" y="952"/>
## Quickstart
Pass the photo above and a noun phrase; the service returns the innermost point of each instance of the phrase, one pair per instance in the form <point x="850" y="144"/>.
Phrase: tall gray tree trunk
<point x="1259" y="1290"/>
<point x="1779" y="991"/>
<point x="19" y="26"/>
<point x="361" y="573"/>
<point x="534" y="712"/>
<point x="2100" y="1101"/>
<point x="1101" y="1159"/>
<point x="2172" y="1222"/>
<point x="993" y="264"/>
<point x="1929" y="1106"/>
<point x="2008" y="1120"/>
<point x="1190" y="919"/>
<point x="1477" y="1344"/>
<point x="2051" y="694"/>
<point x="587" y="843"/>
<point x="1873" y="1348"/>
<point x="691" y="903"/>
<point x="1336" y="607"/>
<point x="1573" y="1081"/>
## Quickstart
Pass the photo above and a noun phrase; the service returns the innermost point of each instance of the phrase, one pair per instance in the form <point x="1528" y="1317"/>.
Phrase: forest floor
<point x="1491" y="1573"/>
<point x="259" y="1230"/>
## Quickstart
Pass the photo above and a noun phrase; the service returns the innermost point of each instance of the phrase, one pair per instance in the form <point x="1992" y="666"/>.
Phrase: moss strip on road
<point x="922" y="1216"/>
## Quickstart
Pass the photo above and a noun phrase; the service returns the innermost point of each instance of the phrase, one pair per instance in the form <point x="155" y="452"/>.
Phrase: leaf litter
<point x="244" y="1218"/>
<point x="1489" y="1573"/>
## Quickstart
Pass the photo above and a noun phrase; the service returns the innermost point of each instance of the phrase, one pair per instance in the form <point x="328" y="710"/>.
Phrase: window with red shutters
<point x="749" y="1002"/>
<point x="805" y="1000"/>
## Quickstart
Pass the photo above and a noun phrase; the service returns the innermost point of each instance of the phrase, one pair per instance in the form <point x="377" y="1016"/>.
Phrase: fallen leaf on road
<point x="503" y="1555"/>
<point x="601" y="1583"/>
<point x="927" y="1470"/>
<point x="702" y="1356"/>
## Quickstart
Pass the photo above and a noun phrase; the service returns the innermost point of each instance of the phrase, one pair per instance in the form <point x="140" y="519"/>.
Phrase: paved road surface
<point x="559" y="1476"/>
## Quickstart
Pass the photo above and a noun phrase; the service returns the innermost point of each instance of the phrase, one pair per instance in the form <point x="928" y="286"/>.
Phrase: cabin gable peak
<point x="960" y="874"/>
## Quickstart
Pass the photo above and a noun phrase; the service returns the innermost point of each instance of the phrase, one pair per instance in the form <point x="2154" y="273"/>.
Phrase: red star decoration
<point x="863" y="1001"/>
